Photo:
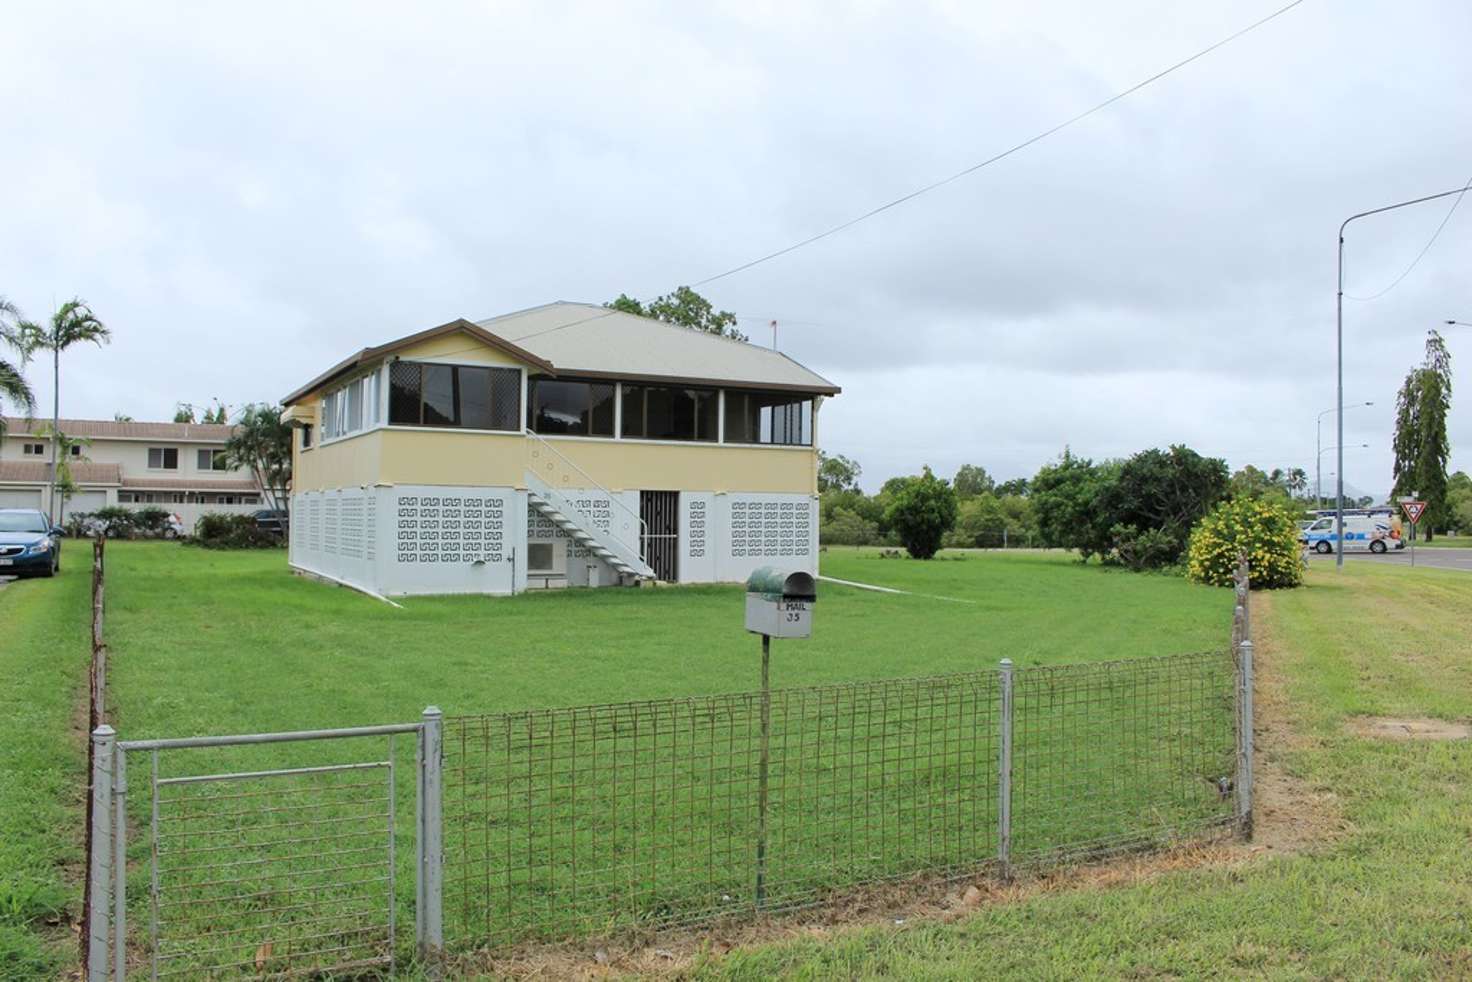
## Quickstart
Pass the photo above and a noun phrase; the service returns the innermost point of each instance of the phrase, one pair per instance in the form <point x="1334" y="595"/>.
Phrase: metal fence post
<point x="120" y="865"/>
<point x="1244" y="739"/>
<point x="428" y="913"/>
<point x="1004" y="775"/>
<point x="99" y="861"/>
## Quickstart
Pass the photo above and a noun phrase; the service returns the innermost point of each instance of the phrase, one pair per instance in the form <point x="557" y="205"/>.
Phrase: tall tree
<point x="684" y="307"/>
<point x="1421" y="445"/>
<point x="13" y="386"/>
<point x="837" y="473"/>
<point x="72" y="323"/>
<point x="972" y="480"/>
<point x="262" y="443"/>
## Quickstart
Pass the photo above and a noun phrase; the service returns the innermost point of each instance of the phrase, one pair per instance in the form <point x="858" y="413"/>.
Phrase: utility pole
<point x="1339" y="334"/>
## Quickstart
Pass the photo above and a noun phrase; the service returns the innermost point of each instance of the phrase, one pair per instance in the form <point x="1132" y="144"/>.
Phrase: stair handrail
<point x="612" y="498"/>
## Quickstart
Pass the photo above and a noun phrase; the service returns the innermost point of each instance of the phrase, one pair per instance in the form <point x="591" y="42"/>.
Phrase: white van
<point x="1375" y="533"/>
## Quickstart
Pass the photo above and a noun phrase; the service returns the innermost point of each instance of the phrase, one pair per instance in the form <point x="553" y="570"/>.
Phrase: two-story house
<point x="568" y="444"/>
<point x="179" y="466"/>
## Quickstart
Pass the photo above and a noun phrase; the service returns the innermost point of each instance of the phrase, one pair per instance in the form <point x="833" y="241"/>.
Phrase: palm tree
<point x="12" y="384"/>
<point x="72" y="324"/>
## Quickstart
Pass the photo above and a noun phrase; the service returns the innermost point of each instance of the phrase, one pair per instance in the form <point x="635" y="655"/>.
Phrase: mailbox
<point x="779" y="602"/>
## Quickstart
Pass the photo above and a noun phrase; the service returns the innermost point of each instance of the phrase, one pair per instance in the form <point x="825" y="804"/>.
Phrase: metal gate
<point x="272" y="854"/>
<point x="660" y="511"/>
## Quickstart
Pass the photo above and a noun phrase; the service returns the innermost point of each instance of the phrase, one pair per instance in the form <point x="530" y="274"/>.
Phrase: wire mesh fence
<point x="581" y="821"/>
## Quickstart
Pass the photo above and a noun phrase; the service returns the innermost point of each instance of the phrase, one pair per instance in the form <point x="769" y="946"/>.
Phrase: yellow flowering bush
<point x="1265" y="530"/>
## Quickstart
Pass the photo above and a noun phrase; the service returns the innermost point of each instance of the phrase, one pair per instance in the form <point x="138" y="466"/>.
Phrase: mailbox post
<point x="779" y="604"/>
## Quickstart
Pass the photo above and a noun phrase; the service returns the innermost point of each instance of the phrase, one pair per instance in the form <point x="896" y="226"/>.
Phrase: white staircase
<point x="618" y="546"/>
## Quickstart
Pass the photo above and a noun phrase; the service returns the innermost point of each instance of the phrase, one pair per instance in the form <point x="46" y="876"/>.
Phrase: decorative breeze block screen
<point x="771" y="528"/>
<point x="450" y="528"/>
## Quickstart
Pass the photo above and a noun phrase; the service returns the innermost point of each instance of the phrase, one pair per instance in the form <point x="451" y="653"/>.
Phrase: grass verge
<point x="43" y="674"/>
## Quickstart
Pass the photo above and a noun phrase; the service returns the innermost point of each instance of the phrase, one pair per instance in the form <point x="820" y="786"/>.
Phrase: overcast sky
<point x="248" y="193"/>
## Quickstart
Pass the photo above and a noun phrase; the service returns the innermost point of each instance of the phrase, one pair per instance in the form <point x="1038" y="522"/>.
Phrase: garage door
<point x="20" y="499"/>
<point x="86" y="501"/>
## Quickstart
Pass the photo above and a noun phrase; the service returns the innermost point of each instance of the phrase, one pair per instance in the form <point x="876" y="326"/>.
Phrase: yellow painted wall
<point x="394" y="456"/>
<point x="459" y="348"/>
<point x="349" y="463"/>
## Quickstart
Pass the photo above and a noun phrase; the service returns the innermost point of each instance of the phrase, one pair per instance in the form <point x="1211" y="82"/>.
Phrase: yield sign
<point x="1413" y="510"/>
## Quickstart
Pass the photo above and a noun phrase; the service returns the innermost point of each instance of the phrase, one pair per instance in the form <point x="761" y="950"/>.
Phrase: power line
<point x="1005" y="153"/>
<point x="1422" y="254"/>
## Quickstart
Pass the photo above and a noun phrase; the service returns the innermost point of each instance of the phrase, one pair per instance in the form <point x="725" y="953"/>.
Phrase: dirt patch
<point x="1392" y="728"/>
<point x="1289" y="813"/>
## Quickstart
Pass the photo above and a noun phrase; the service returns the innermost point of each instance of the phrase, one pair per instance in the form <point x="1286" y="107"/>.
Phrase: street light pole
<point x="1339" y="336"/>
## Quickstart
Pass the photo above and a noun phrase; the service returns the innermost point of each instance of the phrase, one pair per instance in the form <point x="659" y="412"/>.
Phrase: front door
<point x="660" y="511"/>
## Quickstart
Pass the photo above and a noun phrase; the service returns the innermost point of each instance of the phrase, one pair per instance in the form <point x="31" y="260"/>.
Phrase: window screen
<point x="769" y="417"/>
<point x="468" y="396"/>
<point x="539" y="557"/>
<point x="662" y="413"/>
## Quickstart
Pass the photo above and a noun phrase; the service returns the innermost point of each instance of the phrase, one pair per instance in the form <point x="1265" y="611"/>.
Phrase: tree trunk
<point x="55" y="431"/>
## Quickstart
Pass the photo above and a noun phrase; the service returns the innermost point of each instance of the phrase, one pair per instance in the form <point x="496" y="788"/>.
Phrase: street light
<point x="1339" y="332"/>
<point x="1318" y="442"/>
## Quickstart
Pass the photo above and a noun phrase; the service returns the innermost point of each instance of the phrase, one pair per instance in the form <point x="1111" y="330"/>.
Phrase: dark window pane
<point x="403" y="393"/>
<point x="505" y="398"/>
<point x="659" y="414"/>
<point x="600" y="398"/>
<point x="559" y="407"/>
<point x="475" y="398"/>
<point x="707" y="408"/>
<point x="769" y="417"/>
<point x="439" y="395"/>
<point x="633" y="423"/>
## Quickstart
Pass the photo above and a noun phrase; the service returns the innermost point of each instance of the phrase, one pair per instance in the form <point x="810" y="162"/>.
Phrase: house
<point x="565" y="445"/>
<point x="178" y="466"/>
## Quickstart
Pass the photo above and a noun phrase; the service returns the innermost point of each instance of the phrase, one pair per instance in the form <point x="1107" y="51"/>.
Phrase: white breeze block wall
<point x="412" y="539"/>
<point x="581" y="566"/>
<point x="451" y="539"/>
<point x="723" y="537"/>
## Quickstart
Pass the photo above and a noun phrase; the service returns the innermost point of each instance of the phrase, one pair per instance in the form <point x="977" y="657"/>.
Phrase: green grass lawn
<point x="1446" y="542"/>
<point x="229" y="642"/>
<point x="1391" y="898"/>
<point x="43" y="688"/>
<point x="215" y="642"/>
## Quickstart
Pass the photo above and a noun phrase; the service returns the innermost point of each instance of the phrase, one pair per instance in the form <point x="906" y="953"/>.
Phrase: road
<point x="1439" y="558"/>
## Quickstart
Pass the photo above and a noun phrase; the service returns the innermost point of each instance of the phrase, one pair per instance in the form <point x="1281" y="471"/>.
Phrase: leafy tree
<point x="684" y="307"/>
<point x="187" y="412"/>
<point x="972" y="480"/>
<point x="121" y="417"/>
<point x="837" y="473"/>
<point x="72" y="323"/>
<point x="262" y="443"/>
<point x="1164" y="490"/>
<point x="13" y="384"/>
<point x="1067" y="499"/>
<point x="847" y="528"/>
<point x="1017" y="487"/>
<point x="922" y="512"/>
<point x="1459" y="501"/>
<point x="1421" y="445"/>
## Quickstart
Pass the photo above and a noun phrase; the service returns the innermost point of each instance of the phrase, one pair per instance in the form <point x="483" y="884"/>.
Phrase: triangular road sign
<point x="1413" y="510"/>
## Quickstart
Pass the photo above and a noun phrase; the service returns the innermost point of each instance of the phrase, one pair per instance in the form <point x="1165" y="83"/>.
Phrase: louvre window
<point x="569" y="407"/>
<point x="660" y="413"/>
<point x="465" y="396"/>
<point x="778" y="418"/>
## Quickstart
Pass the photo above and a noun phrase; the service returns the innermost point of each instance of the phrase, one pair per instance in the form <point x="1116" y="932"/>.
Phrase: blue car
<point x="29" y="544"/>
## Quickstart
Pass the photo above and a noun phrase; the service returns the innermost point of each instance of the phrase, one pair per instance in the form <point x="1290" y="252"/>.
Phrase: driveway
<point x="1440" y="558"/>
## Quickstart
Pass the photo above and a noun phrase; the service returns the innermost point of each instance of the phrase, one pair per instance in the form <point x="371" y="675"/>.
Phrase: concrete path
<point x="1433" y="557"/>
<point x="890" y="589"/>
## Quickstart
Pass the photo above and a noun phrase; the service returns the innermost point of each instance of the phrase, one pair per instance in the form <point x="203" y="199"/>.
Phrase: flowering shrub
<point x="1265" y="530"/>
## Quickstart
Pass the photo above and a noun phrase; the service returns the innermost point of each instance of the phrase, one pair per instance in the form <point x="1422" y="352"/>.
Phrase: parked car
<point x="271" y="520"/>
<point x="29" y="544"/>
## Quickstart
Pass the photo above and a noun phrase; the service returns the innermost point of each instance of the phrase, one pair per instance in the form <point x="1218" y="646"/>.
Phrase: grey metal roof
<point x="586" y="339"/>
